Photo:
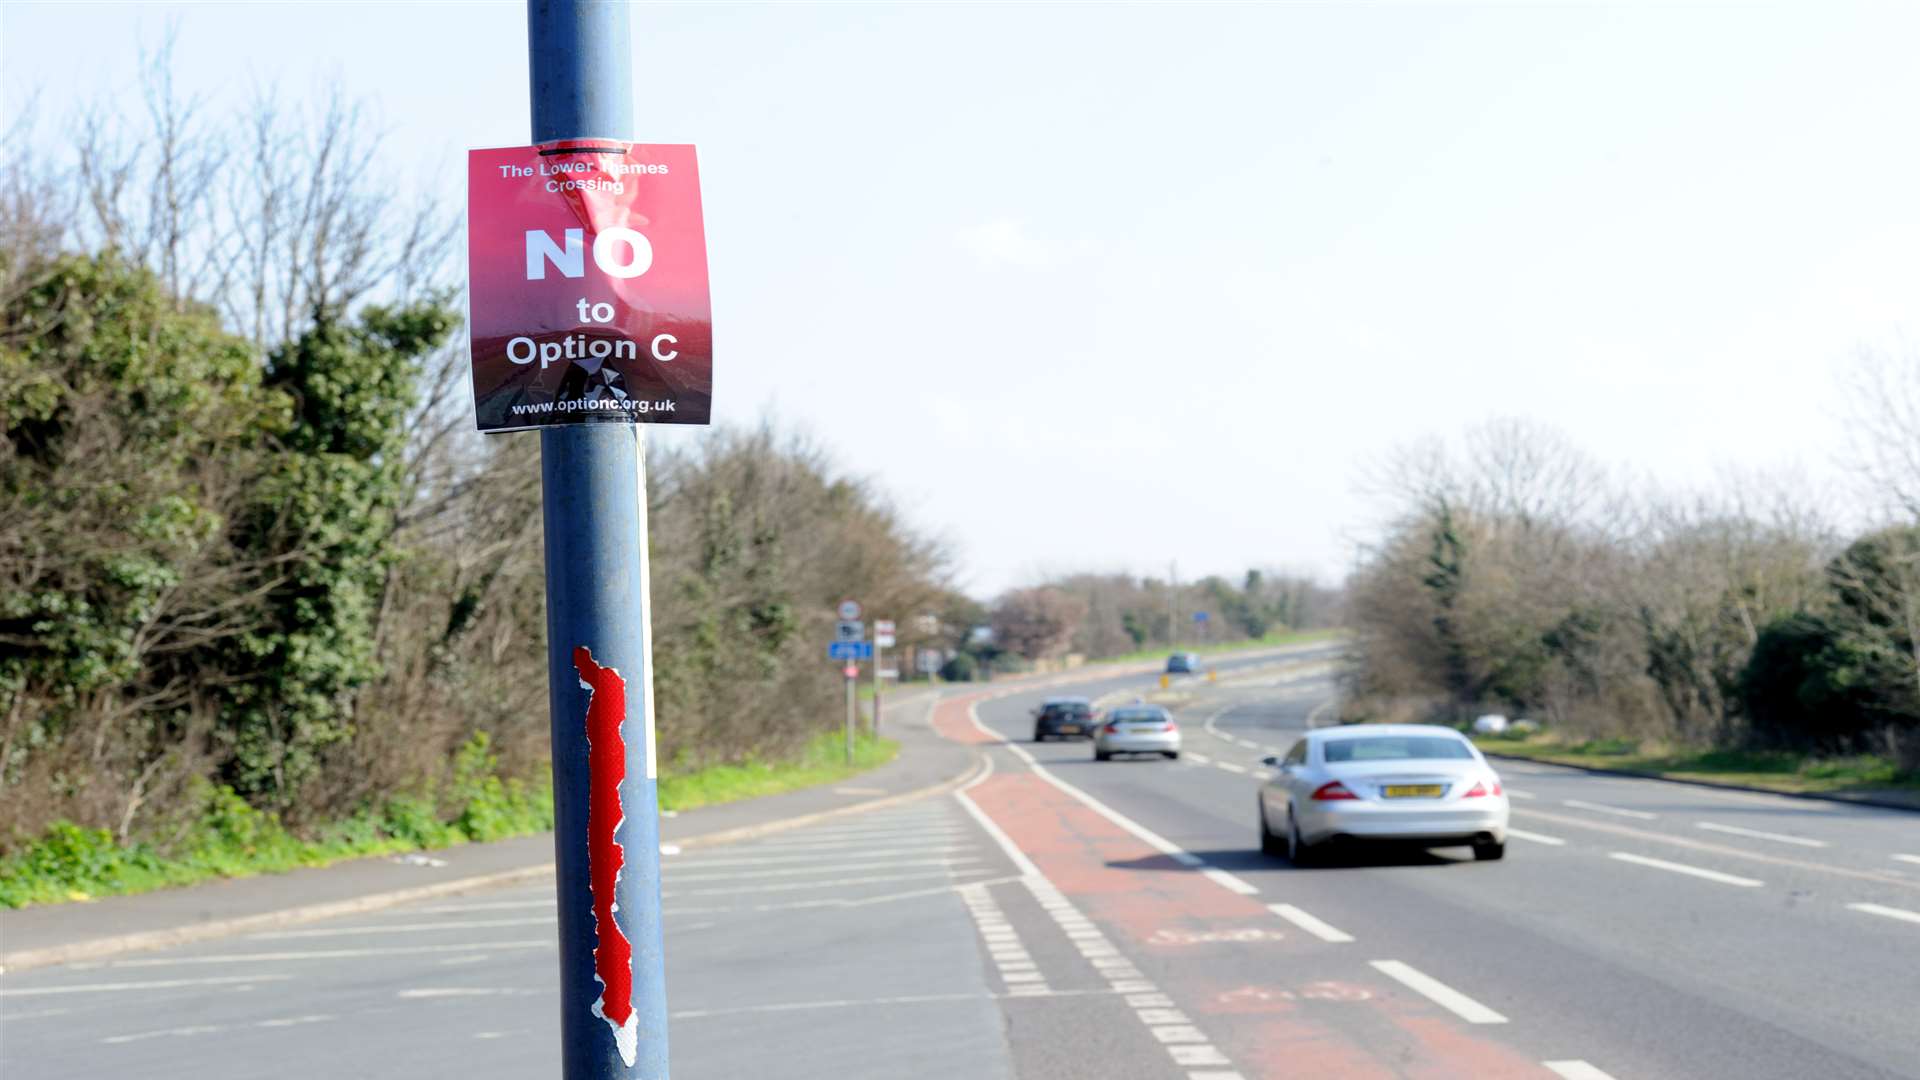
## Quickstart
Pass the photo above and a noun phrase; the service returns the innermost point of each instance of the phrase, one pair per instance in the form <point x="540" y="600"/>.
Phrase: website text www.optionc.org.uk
<point x="593" y="405"/>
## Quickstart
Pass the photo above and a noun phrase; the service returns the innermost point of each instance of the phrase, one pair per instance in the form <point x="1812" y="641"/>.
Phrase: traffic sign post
<point x="852" y="673"/>
<point x="613" y="1002"/>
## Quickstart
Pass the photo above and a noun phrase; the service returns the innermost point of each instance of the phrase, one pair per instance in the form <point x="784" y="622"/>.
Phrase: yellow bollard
<point x="1212" y="675"/>
<point x="1166" y="681"/>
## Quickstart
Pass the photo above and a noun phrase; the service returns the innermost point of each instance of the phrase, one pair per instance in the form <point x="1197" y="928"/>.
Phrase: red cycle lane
<point x="1279" y="1004"/>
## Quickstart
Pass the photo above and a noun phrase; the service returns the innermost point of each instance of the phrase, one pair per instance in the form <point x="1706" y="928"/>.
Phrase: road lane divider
<point x="1890" y="912"/>
<point x="1908" y="858"/>
<point x="1198" y="758"/>
<point x="1010" y="957"/>
<point x="1576" y="1070"/>
<point x="1525" y="795"/>
<point x="124" y="987"/>
<point x="1310" y="924"/>
<point x="1682" y="868"/>
<point x="1779" y="838"/>
<point x="1602" y="808"/>
<point x="1438" y="992"/>
<point x="1534" y="837"/>
<point x="1231" y="767"/>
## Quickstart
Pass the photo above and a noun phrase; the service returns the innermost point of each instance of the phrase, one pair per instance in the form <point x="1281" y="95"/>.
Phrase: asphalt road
<point x="1061" y="918"/>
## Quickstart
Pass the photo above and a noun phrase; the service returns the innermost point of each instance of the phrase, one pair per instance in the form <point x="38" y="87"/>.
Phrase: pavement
<point x="1053" y="917"/>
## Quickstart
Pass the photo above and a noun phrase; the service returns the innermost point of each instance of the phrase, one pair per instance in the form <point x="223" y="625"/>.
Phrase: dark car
<point x="1183" y="663"/>
<point x="1062" y="718"/>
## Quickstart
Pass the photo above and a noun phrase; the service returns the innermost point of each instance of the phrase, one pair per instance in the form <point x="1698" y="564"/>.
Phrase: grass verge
<point x="230" y="839"/>
<point x="1769" y="770"/>
<point x="822" y="761"/>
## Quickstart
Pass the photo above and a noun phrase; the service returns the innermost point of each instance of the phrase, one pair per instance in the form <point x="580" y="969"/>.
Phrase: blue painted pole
<point x="599" y="630"/>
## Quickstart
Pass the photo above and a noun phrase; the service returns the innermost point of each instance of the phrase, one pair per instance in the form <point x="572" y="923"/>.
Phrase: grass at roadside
<point x="823" y="761"/>
<point x="1771" y="770"/>
<point x="230" y="839"/>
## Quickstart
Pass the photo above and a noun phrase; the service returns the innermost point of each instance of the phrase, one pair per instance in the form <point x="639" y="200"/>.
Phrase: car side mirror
<point x="1270" y="761"/>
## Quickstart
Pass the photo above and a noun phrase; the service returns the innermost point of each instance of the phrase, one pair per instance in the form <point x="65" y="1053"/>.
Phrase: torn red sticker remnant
<point x="606" y="770"/>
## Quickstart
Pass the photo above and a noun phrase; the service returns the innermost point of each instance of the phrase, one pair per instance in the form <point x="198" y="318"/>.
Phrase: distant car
<point x="1063" y="717"/>
<point x="1416" y="783"/>
<point x="1490" y="724"/>
<point x="1183" y="663"/>
<point x="1137" y="729"/>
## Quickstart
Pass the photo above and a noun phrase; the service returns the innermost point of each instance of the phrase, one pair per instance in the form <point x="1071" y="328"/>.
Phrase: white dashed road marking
<point x="1438" y="992"/>
<point x="1576" y="1070"/>
<point x="1310" y="924"/>
<point x="158" y="984"/>
<point x="1617" y="810"/>
<point x="1782" y="838"/>
<point x="1890" y="912"/>
<point x="1538" y="838"/>
<point x="1908" y="858"/>
<point x="1683" y="868"/>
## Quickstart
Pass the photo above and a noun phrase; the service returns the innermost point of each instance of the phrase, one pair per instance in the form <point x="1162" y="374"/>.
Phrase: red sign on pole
<point x="587" y="261"/>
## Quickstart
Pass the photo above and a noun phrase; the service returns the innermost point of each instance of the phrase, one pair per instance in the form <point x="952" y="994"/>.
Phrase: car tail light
<point x="1171" y="726"/>
<point x="1333" y="790"/>
<point x="1480" y="789"/>
<point x="1111" y="729"/>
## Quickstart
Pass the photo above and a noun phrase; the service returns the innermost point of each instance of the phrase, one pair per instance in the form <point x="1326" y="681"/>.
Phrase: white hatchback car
<point x="1417" y="783"/>
<point x="1136" y="729"/>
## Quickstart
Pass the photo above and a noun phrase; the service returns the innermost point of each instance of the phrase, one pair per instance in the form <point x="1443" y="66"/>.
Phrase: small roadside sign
<point x="928" y="661"/>
<point x="890" y="673"/>
<point x="851" y="671"/>
<point x="883" y="633"/>
<point x="1201" y="616"/>
<point x="850" y="631"/>
<point x="850" y="650"/>
<point x="849" y="610"/>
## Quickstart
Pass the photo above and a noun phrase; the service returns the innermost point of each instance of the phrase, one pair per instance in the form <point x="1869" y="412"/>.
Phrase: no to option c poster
<point x="587" y="263"/>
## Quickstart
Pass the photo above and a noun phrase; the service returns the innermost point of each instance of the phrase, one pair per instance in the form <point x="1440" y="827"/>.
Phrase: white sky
<point x="1097" y="288"/>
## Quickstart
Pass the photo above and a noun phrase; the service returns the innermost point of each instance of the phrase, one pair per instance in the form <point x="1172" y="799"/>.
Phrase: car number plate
<point x="1069" y="729"/>
<point x="1412" y="791"/>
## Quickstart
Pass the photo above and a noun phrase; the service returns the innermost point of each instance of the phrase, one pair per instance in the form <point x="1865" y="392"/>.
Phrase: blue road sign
<point x="850" y="650"/>
<point x="1200" y="616"/>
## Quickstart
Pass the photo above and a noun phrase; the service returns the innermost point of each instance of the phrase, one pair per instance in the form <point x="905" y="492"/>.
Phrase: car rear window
<point x="1138" y="716"/>
<point x="1069" y="710"/>
<point x="1396" y="748"/>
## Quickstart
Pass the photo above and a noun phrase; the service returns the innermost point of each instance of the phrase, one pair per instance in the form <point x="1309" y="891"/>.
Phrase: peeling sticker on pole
<point x="607" y="769"/>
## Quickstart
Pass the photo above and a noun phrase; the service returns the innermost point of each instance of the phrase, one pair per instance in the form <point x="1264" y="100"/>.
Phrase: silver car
<point x="1409" y="782"/>
<point x="1136" y="729"/>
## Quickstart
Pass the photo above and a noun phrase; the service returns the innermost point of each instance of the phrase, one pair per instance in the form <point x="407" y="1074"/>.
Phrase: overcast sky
<point x="1100" y="288"/>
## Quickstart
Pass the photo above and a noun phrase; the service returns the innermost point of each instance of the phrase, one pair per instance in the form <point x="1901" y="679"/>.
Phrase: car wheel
<point x="1269" y="843"/>
<point x="1102" y="755"/>
<point x="1038" y="736"/>
<point x="1488" y="852"/>
<point x="1299" y="852"/>
<point x="1172" y="755"/>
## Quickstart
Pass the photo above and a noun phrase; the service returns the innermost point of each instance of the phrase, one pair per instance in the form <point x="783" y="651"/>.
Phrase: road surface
<point x="1060" y="918"/>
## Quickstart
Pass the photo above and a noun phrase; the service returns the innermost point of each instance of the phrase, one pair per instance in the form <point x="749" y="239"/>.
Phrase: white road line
<point x="1599" y="808"/>
<point x="1576" y="1070"/>
<point x="1908" y="858"/>
<point x="1683" y="868"/>
<point x="1438" y="992"/>
<point x="693" y="863"/>
<point x="1227" y="881"/>
<point x="468" y="991"/>
<point x="674" y="877"/>
<point x="1512" y="794"/>
<point x="1538" y="838"/>
<point x="495" y="905"/>
<point x="833" y="901"/>
<point x="1782" y="838"/>
<point x="1310" y="924"/>
<point x="802" y="886"/>
<point x="159" y="984"/>
<point x="1230" y="766"/>
<point x="1198" y="758"/>
<point x="318" y="954"/>
<point x="1012" y="850"/>
<point x="1890" y="912"/>
<point x="399" y="928"/>
<point x="196" y="1029"/>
